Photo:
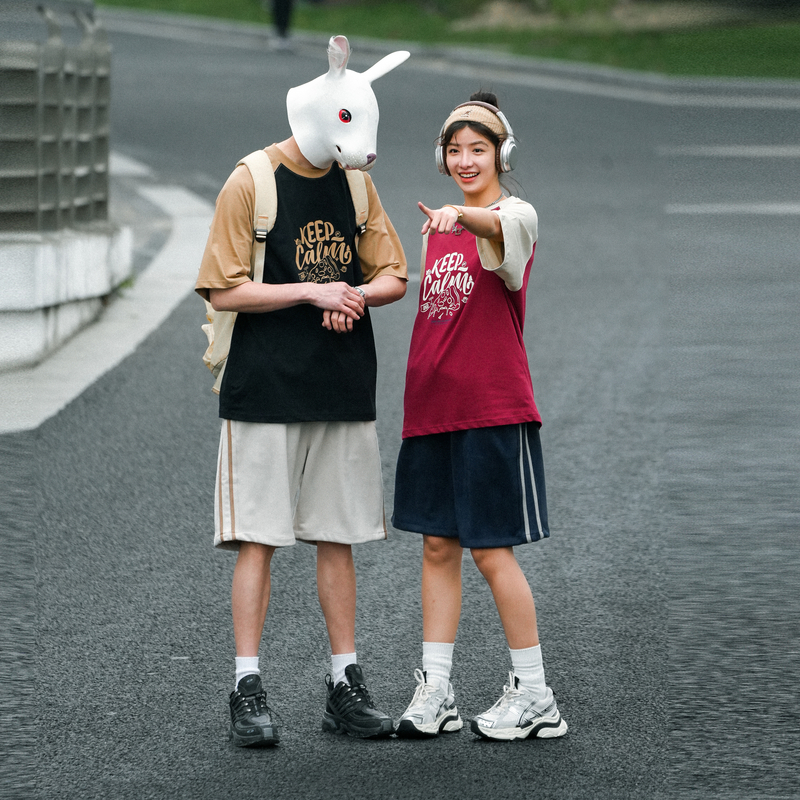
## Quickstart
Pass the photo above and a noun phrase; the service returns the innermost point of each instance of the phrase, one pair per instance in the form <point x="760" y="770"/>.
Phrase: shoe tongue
<point x="354" y="674"/>
<point x="249" y="685"/>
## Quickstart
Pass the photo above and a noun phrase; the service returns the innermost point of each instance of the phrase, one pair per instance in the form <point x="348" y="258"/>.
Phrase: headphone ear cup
<point x="440" y="160"/>
<point x="507" y="155"/>
<point x="507" y="152"/>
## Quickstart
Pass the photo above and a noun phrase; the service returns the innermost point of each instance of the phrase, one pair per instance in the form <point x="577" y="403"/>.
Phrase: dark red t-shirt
<point x="467" y="366"/>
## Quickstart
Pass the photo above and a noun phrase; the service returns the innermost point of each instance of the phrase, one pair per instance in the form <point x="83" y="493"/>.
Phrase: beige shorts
<point x="308" y="481"/>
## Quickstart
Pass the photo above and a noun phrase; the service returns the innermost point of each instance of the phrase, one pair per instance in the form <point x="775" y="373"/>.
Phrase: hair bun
<point x="485" y="97"/>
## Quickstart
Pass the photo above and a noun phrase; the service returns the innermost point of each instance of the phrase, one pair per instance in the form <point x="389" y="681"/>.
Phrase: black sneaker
<point x="252" y="723"/>
<point x="350" y="708"/>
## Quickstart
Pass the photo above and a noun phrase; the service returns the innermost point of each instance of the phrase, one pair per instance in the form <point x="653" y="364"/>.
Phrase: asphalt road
<point x="663" y="344"/>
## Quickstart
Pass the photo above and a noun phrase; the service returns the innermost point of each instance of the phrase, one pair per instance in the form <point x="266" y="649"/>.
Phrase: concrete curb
<point x="55" y="283"/>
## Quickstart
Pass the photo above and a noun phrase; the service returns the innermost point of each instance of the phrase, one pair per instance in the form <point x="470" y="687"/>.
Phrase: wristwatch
<point x="361" y="292"/>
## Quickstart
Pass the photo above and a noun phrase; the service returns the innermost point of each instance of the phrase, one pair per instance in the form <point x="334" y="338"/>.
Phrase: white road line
<point x="124" y="167"/>
<point x="763" y="209"/>
<point x="733" y="151"/>
<point x="31" y="396"/>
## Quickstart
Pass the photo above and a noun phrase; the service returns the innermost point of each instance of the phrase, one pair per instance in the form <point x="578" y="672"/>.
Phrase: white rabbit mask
<point x="335" y="116"/>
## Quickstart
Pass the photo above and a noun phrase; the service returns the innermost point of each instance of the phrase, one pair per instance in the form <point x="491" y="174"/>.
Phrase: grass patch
<point x="758" y="50"/>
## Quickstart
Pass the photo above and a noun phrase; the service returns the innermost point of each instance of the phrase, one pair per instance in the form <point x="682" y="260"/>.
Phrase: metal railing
<point x="54" y="126"/>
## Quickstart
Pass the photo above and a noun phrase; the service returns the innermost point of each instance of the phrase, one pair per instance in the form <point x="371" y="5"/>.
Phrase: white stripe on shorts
<point x="226" y="511"/>
<point x="522" y="460"/>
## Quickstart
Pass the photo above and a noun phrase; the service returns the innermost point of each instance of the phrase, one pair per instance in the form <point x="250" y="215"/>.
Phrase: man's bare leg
<point x="252" y="723"/>
<point x="349" y="707"/>
<point x="336" y="586"/>
<point x="250" y="596"/>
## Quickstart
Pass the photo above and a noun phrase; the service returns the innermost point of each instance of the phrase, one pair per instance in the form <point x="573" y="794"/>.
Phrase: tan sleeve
<point x="226" y="260"/>
<point x="379" y="249"/>
<point x="509" y="258"/>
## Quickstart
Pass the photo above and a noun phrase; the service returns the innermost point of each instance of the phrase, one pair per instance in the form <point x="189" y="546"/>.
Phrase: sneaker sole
<point x="407" y="729"/>
<point x="545" y="729"/>
<point x="261" y="738"/>
<point x="332" y="725"/>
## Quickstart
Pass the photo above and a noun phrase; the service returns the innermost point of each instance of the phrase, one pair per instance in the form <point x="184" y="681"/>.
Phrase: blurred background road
<point x="663" y="344"/>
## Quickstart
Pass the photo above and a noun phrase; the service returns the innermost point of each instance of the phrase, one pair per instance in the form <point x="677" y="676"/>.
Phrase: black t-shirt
<point x="283" y="365"/>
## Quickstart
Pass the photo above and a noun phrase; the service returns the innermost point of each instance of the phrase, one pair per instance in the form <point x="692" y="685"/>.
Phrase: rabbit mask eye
<point x="345" y="115"/>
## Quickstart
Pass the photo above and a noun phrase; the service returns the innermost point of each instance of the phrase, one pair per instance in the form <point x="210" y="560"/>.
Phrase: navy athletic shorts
<point x="483" y="486"/>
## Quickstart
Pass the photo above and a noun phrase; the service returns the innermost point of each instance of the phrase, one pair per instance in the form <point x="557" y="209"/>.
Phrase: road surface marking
<point x="733" y="151"/>
<point x="762" y="209"/>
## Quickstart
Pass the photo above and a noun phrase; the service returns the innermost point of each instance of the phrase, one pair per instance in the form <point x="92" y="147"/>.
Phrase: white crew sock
<point x="246" y="665"/>
<point x="338" y="663"/>
<point x="437" y="661"/>
<point x="527" y="664"/>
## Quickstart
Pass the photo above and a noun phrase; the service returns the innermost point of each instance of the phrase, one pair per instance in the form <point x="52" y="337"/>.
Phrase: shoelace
<point x="354" y="696"/>
<point x="254" y="703"/>
<point x="424" y="689"/>
<point x="510" y="693"/>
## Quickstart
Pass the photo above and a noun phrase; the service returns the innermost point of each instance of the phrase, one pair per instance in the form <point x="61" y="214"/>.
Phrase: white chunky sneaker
<point x="432" y="710"/>
<point x="518" y="714"/>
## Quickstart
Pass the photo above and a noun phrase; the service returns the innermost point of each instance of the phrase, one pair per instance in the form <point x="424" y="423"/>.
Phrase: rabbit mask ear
<point x="386" y="64"/>
<point x="338" y="55"/>
<point x="335" y="116"/>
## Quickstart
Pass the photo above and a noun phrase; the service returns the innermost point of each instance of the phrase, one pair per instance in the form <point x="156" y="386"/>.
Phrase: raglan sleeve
<point x="508" y="259"/>
<point x="379" y="248"/>
<point x="226" y="259"/>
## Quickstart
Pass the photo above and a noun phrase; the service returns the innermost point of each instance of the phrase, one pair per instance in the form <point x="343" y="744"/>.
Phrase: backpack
<point x="219" y="328"/>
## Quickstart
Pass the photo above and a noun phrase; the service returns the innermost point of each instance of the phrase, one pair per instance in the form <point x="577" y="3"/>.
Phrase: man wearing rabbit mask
<point x="298" y="457"/>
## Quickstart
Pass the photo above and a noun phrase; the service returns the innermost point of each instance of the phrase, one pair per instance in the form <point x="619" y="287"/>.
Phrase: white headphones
<point x="506" y="151"/>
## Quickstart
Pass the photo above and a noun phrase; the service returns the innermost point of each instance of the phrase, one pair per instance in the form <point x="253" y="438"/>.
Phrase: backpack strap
<point x="266" y="208"/>
<point x="358" y="191"/>
<point x="220" y="328"/>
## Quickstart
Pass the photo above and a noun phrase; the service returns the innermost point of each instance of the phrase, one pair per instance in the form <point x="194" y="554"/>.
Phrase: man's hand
<point x="341" y="304"/>
<point x="337" y="321"/>
<point x="380" y="291"/>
